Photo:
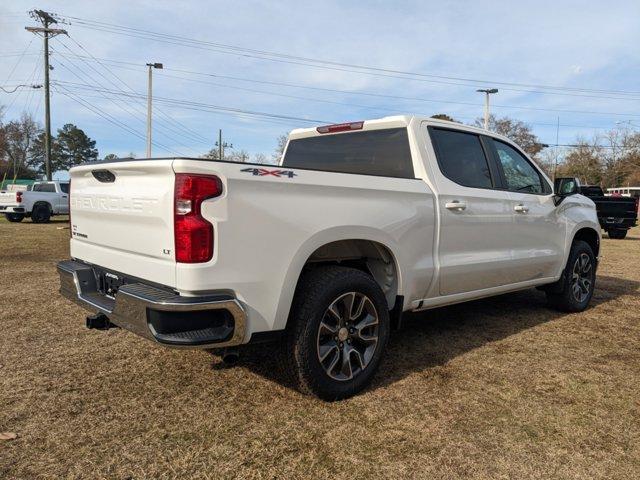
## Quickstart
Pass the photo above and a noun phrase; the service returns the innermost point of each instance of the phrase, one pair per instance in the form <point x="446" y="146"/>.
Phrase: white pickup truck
<point x="358" y="223"/>
<point x="40" y="202"/>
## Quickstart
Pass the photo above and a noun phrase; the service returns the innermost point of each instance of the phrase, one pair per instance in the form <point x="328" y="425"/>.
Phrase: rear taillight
<point x="19" y="197"/>
<point x="193" y="234"/>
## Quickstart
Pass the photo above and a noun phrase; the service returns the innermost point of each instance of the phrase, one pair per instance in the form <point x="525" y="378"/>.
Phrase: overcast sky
<point x="579" y="46"/>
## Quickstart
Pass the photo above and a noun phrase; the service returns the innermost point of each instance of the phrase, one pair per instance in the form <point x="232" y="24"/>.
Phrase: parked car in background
<point x="40" y="202"/>
<point x="616" y="213"/>
<point x="359" y="223"/>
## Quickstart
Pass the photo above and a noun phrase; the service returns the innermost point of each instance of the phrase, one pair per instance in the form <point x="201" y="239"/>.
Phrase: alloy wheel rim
<point x="582" y="277"/>
<point x="347" y="336"/>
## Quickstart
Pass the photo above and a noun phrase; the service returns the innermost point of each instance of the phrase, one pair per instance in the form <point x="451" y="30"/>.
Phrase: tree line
<point x="22" y="147"/>
<point x="611" y="159"/>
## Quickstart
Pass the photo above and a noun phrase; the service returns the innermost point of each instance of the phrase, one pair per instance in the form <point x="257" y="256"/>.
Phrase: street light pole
<point x="487" y="92"/>
<point x="149" y="101"/>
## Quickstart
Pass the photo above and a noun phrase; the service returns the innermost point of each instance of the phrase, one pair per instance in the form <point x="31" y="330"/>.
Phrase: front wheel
<point x="617" y="233"/>
<point x="14" y="217"/>
<point x="337" y="333"/>
<point x="577" y="282"/>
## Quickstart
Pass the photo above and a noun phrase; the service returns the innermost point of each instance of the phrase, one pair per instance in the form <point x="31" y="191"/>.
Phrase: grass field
<point x="499" y="388"/>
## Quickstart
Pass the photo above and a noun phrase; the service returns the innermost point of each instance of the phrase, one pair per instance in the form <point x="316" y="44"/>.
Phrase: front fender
<point x="579" y="212"/>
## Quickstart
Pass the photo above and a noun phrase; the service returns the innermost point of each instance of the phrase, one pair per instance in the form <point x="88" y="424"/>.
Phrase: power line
<point x="121" y="104"/>
<point x="186" y="130"/>
<point x="19" y="60"/>
<point x="119" y="63"/>
<point x="188" y="103"/>
<point x="109" y="117"/>
<point x="15" y="97"/>
<point x="6" y="90"/>
<point x="321" y="63"/>
<point x="274" y="121"/>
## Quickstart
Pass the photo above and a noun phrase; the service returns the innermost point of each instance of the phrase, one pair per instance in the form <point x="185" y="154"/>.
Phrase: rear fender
<point x="318" y="240"/>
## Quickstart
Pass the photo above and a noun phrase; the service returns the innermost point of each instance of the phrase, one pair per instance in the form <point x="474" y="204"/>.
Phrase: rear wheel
<point x="338" y="331"/>
<point x="40" y="213"/>
<point x="578" y="280"/>
<point x="617" y="233"/>
<point x="14" y="217"/>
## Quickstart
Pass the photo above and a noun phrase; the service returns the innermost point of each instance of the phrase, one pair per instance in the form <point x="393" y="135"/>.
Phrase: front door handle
<point x="521" y="208"/>
<point x="455" y="205"/>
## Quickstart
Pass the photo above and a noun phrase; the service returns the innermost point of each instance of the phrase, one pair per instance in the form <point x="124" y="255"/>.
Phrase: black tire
<point x="617" y="233"/>
<point x="14" y="217"/>
<point x="575" y="288"/>
<point x="306" y="331"/>
<point x="41" y="213"/>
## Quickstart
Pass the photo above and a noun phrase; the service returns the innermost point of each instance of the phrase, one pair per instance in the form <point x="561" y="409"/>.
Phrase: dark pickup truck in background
<point x="616" y="214"/>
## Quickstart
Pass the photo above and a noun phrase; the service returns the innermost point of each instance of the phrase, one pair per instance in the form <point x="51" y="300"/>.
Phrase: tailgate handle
<point x="104" y="176"/>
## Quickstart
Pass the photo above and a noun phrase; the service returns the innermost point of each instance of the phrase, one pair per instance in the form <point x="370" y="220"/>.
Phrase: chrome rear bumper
<point x="159" y="315"/>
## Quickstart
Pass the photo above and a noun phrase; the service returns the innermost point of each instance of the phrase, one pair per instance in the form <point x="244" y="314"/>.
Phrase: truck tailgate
<point x="8" y="198"/>
<point x="122" y="216"/>
<point x="620" y="207"/>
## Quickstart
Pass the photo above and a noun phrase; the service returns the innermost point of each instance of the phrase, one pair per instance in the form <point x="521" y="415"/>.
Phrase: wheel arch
<point x="366" y="249"/>
<point x="590" y="236"/>
<point x="42" y="202"/>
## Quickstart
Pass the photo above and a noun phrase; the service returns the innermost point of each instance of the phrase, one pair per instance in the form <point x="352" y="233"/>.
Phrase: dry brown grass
<point x="500" y="388"/>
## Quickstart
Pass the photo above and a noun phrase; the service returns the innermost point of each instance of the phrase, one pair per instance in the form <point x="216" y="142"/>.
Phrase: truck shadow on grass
<point x="434" y="337"/>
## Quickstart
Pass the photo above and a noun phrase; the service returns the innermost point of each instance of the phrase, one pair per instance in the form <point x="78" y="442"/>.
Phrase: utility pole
<point x="46" y="19"/>
<point x="222" y="145"/>
<point x="149" y="95"/>
<point x="487" y="92"/>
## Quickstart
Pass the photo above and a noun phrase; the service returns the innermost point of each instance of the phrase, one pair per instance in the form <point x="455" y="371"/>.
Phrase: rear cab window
<point x="44" y="187"/>
<point x="383" y="152"/>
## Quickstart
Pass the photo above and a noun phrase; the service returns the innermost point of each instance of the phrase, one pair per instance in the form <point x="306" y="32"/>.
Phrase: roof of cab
<point x="395" y="121"/>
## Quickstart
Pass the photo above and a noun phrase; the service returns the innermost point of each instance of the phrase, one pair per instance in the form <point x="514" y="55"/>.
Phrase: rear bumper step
<point x="156" y="314"/>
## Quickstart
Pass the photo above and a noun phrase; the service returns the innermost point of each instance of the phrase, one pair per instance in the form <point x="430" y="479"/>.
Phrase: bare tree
<point x="281" y="145"/>
<point x="260" y="158"/>
<point x="18" y="137"/>
<point x="517" y="131"/>
<point x="238" y="156"/>
<point x="585" y="161"/>
<point x="443" y="116"/>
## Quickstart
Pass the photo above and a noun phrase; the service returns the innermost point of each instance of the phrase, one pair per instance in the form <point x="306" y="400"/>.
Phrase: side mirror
<point x="564" y="187"/>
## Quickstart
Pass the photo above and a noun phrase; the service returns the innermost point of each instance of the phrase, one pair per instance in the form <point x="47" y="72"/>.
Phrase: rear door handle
<point x="521" y="208"/>
<point x="456" y="205"/>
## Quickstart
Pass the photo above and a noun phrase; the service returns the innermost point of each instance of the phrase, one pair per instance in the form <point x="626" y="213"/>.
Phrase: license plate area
<point x="109" y="282"/>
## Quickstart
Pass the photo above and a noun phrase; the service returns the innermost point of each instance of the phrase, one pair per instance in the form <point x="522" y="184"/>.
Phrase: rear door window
<point x="461" y="158"/>
<point x="371" y="152"/>
<point x="64" y="187"/>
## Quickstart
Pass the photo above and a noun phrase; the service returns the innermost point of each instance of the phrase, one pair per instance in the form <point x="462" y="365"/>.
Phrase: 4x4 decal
<point x="263" y="172"/>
